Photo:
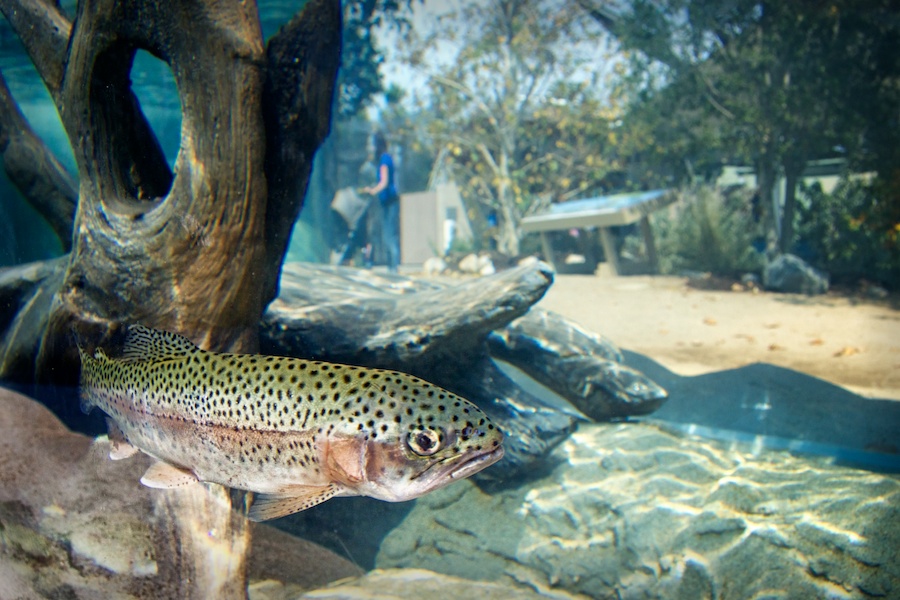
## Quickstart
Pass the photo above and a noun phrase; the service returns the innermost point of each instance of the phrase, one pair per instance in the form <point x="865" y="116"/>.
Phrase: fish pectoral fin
<point x="345" y="460"/>
<point x="165" y="477"/>
<point x="290" y="501"/>
<point x="119" y="447"/>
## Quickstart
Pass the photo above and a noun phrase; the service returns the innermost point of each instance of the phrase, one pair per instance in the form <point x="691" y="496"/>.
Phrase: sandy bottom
<point x="847" y="341"/>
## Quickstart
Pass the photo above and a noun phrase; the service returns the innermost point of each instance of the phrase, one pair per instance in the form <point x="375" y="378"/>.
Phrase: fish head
<point x="421" y="443"/>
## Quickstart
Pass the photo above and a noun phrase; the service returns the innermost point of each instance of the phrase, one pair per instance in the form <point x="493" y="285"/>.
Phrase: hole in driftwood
<point x="154" y="86"/>
<point x="126" y="97"/>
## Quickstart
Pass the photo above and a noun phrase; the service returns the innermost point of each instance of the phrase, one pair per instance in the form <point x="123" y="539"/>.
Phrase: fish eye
<point x="425" y="442"/>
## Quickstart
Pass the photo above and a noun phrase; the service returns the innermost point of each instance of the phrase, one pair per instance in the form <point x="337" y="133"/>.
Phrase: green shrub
<point x="847" y="234"/>
<point x="708" y="231"/>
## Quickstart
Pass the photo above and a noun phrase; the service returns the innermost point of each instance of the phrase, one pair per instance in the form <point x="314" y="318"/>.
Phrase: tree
<point x="509" y="118"/>
<point x="774" y="79"/>
<point x="196" y="250"/>
<point x="360" y="77"/>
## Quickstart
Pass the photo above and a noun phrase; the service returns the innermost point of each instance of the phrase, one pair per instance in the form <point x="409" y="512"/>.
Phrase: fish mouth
<point x="459" y="466"/>
<point x="476" y="463"/>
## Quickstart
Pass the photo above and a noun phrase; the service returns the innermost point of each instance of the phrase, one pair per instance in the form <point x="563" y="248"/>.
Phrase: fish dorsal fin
<point x="119" y="447"/>
<point x="290" y="501"/>
<point x="144" y="343"/>
<point x="165" y="477"/>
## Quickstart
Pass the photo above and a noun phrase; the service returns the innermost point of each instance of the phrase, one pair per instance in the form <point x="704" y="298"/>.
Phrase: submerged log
<point x="583" y="367"/>
<point x="392" y="321"/>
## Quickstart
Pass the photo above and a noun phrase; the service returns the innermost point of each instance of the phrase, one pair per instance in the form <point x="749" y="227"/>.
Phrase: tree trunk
<point x="793" y="170"/>
<point x="198" y="251"/>
<point x="508" y="227"/>
<point x="765" y="182"/>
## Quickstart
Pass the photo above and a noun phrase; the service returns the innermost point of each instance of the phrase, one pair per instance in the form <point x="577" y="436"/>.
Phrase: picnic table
<point x="603" y="212"/>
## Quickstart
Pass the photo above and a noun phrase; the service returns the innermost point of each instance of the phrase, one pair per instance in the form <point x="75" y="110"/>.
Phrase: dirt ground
<point x="849" y="341"/>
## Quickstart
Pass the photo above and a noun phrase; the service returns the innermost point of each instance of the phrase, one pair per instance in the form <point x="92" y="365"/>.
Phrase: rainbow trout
<point x="296" y="432"/>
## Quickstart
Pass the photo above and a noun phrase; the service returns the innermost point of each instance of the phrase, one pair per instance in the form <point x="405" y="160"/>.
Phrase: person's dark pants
<point x="390" y="234"/>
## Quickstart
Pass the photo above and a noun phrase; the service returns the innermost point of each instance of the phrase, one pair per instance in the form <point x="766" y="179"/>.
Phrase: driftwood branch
<point x="34" y="170"/>
<point x="26" y="298"/>
<point x="44" y="31"/>
<point x="301" y="68"/>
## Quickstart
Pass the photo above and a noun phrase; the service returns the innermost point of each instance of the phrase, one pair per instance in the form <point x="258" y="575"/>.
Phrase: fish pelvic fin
<point x="164" y="476"/>
<point x="144" y="343"/>
<point x="292" y="500"/>
<point x="119" y="448"/>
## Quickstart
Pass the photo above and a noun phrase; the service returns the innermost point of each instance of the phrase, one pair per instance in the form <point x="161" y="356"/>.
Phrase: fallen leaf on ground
<point x="847" y="351"/>
<point x="772" y="325"/>
<point x="709" y="321"/>
<point x="816" y="342"/>
<point x="745" y="336"/>
<point x="775" y="347"/>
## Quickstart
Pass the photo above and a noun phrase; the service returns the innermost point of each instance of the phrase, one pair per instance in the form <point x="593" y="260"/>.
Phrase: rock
<point x="477" y="264"/>
<point x="634" y="511"/>
<point x="469" y="264"/>
<point x="872" y="291"/>
<point x="75" y="524"/>
<point x="486" y="266"/>
<point x="790" y="274"/>
<point x="415" y="584"/>
<point x="528" y="261"/>
<point x="434" y="266"/>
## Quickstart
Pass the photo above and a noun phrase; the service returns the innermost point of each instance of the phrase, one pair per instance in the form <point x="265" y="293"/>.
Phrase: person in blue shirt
<point x="389" y="199"/>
